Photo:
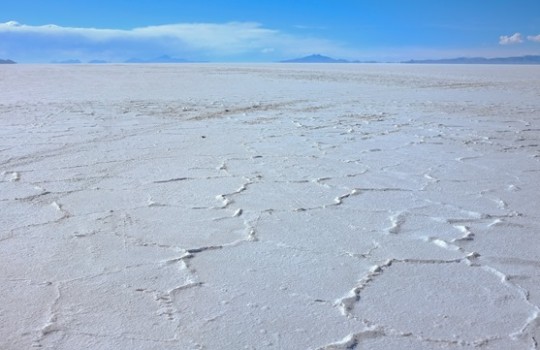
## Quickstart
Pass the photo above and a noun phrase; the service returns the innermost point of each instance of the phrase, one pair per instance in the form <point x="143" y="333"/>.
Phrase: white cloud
<point x="204" y="40"/>
<point x="512" y="39"/>
<point x="535" y="38"/>
<point x="207" y="35"/>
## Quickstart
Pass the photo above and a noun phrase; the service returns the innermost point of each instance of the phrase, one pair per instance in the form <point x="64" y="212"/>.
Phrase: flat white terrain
<point x="269" y="206"/>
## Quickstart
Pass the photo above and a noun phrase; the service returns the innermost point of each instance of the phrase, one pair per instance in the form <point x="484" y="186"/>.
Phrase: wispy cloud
<point x="535" y="38"/>
<point x="511" y="39"/>
<point x="304" y="27"/>
<point x="194" y="40"/>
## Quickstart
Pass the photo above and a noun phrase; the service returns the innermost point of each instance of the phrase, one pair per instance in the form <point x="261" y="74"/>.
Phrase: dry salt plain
<point x="269" y="206"/>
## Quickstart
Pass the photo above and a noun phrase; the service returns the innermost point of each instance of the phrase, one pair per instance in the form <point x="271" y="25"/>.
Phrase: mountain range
<point x="530" y="59"/>
<point x="317" y="58"/>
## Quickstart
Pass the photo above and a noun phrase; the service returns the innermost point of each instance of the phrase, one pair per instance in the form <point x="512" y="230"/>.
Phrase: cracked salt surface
<point x="269" y="206"/>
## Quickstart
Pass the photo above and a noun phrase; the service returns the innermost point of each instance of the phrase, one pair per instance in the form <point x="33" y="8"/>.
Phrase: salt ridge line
<point x="132" y="233"/>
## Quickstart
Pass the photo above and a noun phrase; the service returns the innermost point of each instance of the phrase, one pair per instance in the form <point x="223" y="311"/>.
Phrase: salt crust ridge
<point x="157" y="221"/>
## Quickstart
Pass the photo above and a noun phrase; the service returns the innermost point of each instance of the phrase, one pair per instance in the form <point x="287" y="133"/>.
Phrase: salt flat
<point x="269" y="206"/>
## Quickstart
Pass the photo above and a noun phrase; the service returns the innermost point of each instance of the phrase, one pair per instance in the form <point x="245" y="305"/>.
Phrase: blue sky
<point x="267" y="30"/>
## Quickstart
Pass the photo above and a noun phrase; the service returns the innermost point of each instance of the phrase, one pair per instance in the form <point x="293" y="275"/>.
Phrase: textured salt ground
<point x="285" y="207"/>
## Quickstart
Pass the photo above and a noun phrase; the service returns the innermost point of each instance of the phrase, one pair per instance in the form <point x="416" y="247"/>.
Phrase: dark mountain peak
<point x="315" y="58"/>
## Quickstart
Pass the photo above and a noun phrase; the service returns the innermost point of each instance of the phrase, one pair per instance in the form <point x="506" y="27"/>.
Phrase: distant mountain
<point x="482" y="60"/>
<point x="97" y="61"/>
<point x="315" y="59"/>
<point x="161" y="59"/>
<point x="7" y="62"/>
